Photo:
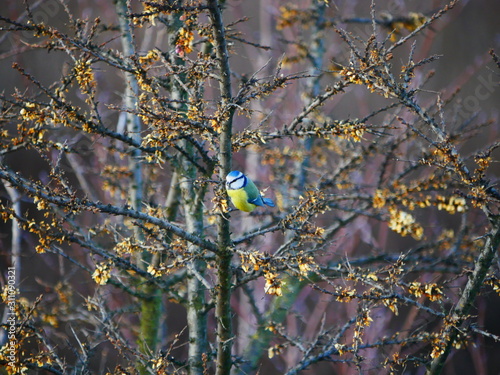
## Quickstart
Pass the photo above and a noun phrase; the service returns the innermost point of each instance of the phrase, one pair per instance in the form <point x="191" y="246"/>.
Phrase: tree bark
<point x="224" y="254"/>
<point x="461" y="310"/>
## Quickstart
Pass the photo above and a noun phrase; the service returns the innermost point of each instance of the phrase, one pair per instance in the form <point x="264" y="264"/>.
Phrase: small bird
<point x="243" y="192"/>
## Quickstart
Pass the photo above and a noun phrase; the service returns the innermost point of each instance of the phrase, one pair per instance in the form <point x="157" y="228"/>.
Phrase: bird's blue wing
<point x="257" y="201"/>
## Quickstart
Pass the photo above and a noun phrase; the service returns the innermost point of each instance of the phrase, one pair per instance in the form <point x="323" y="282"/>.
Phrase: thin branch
<point x="63" y="201"/>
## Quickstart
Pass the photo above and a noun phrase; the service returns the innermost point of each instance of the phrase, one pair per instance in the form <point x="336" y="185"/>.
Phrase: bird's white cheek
<point x="238" y="184"/>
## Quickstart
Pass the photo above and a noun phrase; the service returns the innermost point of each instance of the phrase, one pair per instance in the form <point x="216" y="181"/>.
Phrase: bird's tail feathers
<point x="268" y="202"/>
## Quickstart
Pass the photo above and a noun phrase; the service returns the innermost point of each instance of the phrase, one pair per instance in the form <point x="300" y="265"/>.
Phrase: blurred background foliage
<point x="378" y="228"/>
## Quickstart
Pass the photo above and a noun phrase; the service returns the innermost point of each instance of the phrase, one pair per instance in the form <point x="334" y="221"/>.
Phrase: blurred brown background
<point x="462" y="38"/>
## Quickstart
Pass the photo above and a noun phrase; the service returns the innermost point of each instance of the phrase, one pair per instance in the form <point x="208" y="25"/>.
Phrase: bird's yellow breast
<point x="240" y="200"/>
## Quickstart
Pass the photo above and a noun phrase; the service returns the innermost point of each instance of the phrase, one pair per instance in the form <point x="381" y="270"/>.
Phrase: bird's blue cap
<point x="234" y="174"/>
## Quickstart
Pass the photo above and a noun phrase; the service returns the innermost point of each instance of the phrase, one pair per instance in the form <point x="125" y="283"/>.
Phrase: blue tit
<point x="243" y="192"/>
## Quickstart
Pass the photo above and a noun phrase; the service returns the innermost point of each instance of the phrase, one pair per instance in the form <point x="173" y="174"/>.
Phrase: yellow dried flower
<point x="452" y="205"/>
<point x="273" y="284"/>
<point x="391" y="304"/>
<point x="433" y="292"/>
<point x="403" y="223"/>
<point x="380" y="198"/>
<point x="157" y="271"/>
<point x="274" y="350"/>
<point x="184" y="44"/>
<point x="101" y="274"/>
<point x="84" y="75"/>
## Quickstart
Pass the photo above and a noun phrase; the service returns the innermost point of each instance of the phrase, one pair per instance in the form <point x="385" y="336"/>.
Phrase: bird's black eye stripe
<point x="236" y="179"/>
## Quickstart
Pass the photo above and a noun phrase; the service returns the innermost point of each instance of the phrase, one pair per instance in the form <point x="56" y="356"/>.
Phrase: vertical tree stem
<point x="131" y="95"/>
<point x="191" y="200"/>
<point x="151" y="306"/>
<point x="15" y="197"/>
<point x="15" y="257"/>
<point x="196" y="316"/>
<point x="224" y="255"/>
<point x="461" y="310"/>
